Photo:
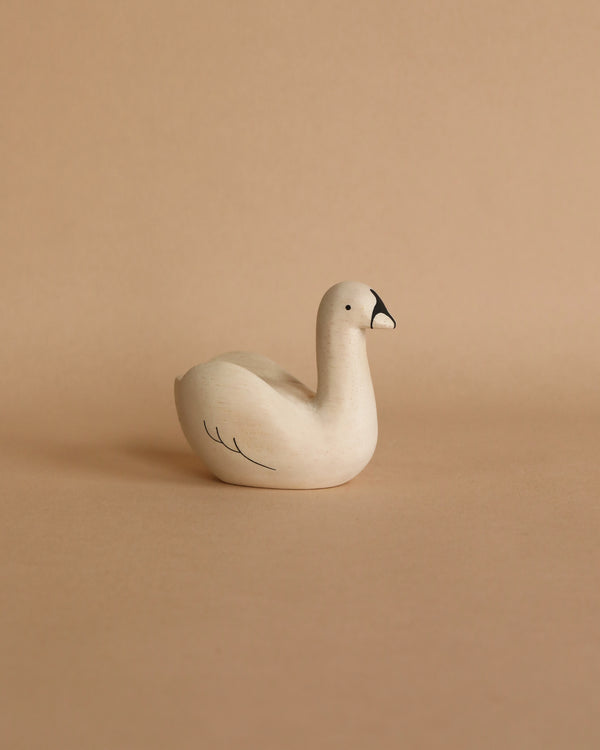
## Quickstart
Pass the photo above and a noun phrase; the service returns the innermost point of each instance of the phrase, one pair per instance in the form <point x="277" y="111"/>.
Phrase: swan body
<point x="254" y="424"/>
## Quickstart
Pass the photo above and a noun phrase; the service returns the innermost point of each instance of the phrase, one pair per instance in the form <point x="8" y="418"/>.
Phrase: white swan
<point x="254" y="424"/>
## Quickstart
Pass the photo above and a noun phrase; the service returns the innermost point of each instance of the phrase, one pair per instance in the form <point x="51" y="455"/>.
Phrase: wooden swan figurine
<point x="254" y="424"/>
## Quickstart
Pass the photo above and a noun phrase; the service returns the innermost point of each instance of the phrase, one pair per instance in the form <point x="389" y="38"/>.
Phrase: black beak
<point x="380" y="308"/>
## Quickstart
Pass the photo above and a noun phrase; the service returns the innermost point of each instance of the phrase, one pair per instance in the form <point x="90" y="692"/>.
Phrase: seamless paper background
<point x="180" y="179"/>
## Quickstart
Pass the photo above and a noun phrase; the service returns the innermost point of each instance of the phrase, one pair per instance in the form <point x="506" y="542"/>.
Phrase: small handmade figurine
<point x="254" y="424"/>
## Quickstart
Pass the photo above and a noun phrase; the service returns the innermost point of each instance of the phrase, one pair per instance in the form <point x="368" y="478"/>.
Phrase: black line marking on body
<point x="251" y="459"/>
<point x="208" y="433"/>
<point x="233" y="450"/>
<point x="237" y="448"/>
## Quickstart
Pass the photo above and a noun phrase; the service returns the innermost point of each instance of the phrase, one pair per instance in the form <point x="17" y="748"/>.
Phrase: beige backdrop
<point x="182" y="178"/>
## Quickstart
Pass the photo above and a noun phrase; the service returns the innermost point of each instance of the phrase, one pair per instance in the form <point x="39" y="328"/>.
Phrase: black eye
<point x="348" y="307"/>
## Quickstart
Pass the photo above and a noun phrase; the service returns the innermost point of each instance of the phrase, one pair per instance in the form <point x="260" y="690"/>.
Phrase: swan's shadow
<point x="156" y="462"/>
<point x="131" y="460"/>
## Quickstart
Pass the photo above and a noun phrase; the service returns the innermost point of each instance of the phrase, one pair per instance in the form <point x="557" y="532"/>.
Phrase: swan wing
<point x="223" y="402"/>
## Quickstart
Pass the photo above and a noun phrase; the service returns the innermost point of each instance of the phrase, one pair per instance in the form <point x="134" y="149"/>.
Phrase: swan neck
<point x="344" y="378"/>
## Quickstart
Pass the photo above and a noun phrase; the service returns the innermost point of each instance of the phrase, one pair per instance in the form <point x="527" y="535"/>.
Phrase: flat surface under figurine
<point x="447" y="596"/>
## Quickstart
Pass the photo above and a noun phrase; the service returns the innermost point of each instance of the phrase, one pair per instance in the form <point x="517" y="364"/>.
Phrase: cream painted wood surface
<point x="254" y="424"/>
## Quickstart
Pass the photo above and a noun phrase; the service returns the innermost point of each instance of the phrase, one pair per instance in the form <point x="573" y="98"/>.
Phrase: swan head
<point x="355" y="305"/>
